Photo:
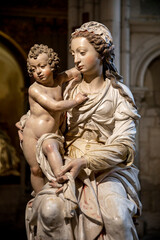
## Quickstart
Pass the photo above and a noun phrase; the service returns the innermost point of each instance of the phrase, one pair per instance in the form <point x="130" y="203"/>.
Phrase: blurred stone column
<point x="125" y="42"/>
<point x="110" y="15"/>
<point x="89" y="9"/>
<point x="73" y="22"/>
<point x="80" y="11"/>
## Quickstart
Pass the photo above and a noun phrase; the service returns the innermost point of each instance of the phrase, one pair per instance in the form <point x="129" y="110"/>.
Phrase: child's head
<point x="36" y="50"/>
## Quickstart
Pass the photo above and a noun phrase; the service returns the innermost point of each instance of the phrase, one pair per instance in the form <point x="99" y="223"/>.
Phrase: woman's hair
<point x="106" y="51"/>
<point x="36" y="50"/>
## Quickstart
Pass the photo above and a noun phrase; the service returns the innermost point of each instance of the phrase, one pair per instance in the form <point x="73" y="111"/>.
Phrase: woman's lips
<point x="80" y="67"/>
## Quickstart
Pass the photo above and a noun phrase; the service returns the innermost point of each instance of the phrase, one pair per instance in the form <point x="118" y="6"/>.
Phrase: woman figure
<point x="100" y="145"/>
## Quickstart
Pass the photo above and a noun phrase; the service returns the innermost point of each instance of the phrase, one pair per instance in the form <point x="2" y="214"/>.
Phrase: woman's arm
<point x="69" y="75"/>
<point x="120" y="147"/>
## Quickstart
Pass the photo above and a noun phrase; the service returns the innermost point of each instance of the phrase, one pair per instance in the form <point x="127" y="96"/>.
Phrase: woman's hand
<point x="18" y="125"/>
<point x="73" y="167"/>
<point x="55" y="184"/>
<point x="20" y="131"/>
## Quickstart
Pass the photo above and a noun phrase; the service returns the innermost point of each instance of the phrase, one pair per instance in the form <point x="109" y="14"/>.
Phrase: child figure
<point x="46" y="108"/>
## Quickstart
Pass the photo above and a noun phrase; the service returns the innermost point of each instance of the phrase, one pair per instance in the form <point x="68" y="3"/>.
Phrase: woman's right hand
<point x="20" y="131"/>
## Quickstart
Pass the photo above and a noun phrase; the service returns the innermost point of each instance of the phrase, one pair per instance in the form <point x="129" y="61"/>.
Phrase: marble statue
<point x="95" y="194"/>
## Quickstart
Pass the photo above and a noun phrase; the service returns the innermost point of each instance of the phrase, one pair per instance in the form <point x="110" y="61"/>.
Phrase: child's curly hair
<point x="53" y="59"/>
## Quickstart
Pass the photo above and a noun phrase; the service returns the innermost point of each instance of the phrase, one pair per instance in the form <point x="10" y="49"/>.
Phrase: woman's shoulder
<point x="116" y="93"/>
<point x="127" y="90"/>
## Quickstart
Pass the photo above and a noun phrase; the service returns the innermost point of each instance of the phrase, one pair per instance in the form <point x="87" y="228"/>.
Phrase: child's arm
<point x="69" y="75"/>
<point x="52" y="105"/>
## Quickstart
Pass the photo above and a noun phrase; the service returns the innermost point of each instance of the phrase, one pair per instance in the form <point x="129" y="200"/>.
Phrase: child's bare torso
<point x="41" y="120"/>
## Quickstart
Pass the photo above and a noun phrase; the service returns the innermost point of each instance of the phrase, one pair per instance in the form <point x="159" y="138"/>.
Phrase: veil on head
<point x="110" y="70"/>
<point x="101" y="30"/>
<point x="96" y="28"/>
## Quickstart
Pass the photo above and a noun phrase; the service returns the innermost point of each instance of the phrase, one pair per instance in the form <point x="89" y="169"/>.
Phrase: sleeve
<point x="119" y="148"/>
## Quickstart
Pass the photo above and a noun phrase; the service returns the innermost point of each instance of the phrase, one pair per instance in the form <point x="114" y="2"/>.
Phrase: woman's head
<point x="36" y="50"/>
<point x="100" y="37"/>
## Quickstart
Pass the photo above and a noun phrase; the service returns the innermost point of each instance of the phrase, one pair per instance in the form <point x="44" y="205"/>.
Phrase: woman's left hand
<point x="73" y="167"/>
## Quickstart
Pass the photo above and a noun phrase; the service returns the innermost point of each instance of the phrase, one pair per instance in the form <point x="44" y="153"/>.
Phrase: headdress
<point x="96" y="28"/>
<point x="103" y="32"/>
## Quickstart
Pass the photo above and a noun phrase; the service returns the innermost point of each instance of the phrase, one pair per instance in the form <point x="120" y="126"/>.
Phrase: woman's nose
<point x="76" y="58"/>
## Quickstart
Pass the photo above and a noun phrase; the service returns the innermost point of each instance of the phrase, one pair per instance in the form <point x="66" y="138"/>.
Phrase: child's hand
<point x="80" y="98"/>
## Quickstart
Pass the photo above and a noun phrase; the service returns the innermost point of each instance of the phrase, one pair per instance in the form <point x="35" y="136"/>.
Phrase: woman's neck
<point x="92" y="84"/>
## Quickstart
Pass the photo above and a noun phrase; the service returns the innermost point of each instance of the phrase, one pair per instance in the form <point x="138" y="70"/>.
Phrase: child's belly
<point x="36" y="127"/>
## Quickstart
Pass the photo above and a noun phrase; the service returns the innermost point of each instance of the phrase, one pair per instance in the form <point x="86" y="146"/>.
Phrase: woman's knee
<point x="117" y="211"/>
<point x="51" y="212"/>
<point x="116" y="207"/>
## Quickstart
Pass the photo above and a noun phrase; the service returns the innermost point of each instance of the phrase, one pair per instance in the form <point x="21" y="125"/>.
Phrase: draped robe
<point x="103" y="130"/>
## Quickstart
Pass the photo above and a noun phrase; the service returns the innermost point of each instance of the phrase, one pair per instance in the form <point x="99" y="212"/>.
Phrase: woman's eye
<point x="82" y="53"/>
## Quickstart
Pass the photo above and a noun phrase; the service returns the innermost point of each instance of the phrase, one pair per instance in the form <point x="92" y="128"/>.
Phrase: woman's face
<point x="86" y="58"/>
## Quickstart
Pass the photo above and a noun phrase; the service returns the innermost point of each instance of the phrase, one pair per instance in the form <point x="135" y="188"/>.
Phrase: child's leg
<point x="29" y="150"/>
<point x="51" y="150"/>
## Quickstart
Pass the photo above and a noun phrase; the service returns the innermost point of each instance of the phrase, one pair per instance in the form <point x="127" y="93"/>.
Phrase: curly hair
<point x="106" y="51"/>
<point x="36" y="50"/>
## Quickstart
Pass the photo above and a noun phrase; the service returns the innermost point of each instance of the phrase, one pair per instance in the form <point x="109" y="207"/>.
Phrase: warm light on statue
<point x="95" y="194"/>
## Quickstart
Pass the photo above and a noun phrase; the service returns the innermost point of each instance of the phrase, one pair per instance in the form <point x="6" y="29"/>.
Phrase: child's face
<point x="41" y="69"/>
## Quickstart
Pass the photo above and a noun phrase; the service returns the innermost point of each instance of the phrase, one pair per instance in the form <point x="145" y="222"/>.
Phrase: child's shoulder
<point x="35" y="88"/>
